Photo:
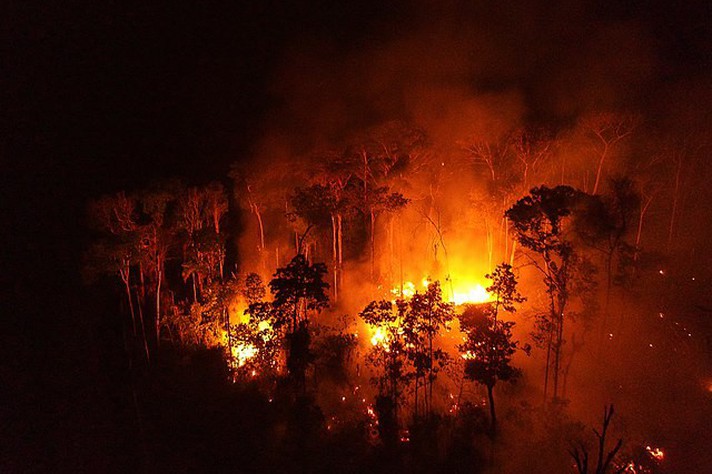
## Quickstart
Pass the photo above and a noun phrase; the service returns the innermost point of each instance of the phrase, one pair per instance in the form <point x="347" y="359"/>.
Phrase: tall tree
<point x="118" y="251"/>
<point x="539" y="222"/>
<point x="488" y="346"/>
<point x="388" y="354"/>
<point x="608" y="129"/>
<point x="488" y="351"/>
<point x="298" y="289"/>
<point x="423" y="316"/>
<point x="158" y="230"/>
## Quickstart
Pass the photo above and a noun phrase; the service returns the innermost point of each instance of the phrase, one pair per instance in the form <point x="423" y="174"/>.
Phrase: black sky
<point x="104" y="95"/>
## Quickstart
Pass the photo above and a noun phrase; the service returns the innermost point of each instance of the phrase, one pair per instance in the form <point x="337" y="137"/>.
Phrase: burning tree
<point x="389" y="355"/>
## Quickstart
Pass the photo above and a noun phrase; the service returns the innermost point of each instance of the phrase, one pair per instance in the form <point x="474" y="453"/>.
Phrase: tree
<point x="297" y="289"/>
<point x="423" y="316"/>
<point x="580" y="454"/>
<point x="504" y="289"/>
<point x="488" y="347"/>
<point x="388" y="353"/>
<point x="603" y="224"/>
<point x="608" y="129"/>
<point x="488" y="351"/>
<point x="116" y="217"/>
<point x="539" y="224"/>
<point x="158" y="232"/>
<point x="317" y="205"/>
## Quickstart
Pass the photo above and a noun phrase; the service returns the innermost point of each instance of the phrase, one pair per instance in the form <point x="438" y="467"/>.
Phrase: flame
<point x="460" y="292"/>
<point x="379" y="336"/>
<point x="243" y="352"/>
<point x="474" y="293"/>
<point x="407" y="292"/>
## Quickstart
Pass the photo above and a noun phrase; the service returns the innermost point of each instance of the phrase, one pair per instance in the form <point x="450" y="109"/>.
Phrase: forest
<point x="394" y="303"/>
<point x="356" y="237"/>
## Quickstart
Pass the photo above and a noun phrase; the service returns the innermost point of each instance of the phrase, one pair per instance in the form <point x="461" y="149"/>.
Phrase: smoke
<point x="467" y="73"/>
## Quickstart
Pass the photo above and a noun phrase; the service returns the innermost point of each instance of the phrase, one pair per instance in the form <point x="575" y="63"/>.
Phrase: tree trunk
<point x="143" y="333"/>
<point x="643" y="209"/>
<point x="373" y="244"/>
<point x="159" y="280"/>
<point x="493" y="416"/>
<point x="546" y="368"/>
<point x="335" y="257"/>
<point x="675" y="199"/>
<point x="125" y="274"/>
<point x="490" y="243"/>
<point x="340" y="241"/>
<point x="604" y="153"/>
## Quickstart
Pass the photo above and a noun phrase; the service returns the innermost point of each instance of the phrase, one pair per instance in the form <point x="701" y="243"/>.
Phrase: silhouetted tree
<point x="504" y="289"/>
<point x="488" y="347"/>
<point x="299" y="288"/>
<point x="604" y="460"/>
<point x="488" y="352"/>
<point x="423" y="316"/>
<point x="539" y="225"/>
<point x="388" y="354"/>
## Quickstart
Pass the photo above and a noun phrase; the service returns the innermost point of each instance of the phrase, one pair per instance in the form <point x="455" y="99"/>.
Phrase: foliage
<point x="299" y="284"/>
<point x="539" y="223"/>
<point x="504" y="289"/>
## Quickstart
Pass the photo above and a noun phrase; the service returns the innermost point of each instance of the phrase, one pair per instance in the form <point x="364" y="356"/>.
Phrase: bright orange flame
<point x="474" y="293"/>
<point x="243" y="352"/>
<point x="460" y="292"/>
<point x="407" y="292"/>
<point x="379" y="337"/>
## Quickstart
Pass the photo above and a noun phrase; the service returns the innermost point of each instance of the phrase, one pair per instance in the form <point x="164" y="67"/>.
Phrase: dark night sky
<point x="105" y="95"/>
<point x="101" y="96"/>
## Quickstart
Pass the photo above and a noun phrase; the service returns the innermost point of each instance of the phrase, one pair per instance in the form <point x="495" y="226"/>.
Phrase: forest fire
<point x="288" y="334"/>
<point x="241" y="353"/>
<point x="459" y="292"/>
<point x="384" y="237"/>
<point x="448" y="283"/>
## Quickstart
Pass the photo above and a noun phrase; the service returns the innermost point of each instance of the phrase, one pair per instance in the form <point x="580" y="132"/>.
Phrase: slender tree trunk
<point x="335" y="257"/>
<point x="391" y="249"/>
<point x="645" y="204"/>
<point x="547" y="366"/>
<point x="415" y="417"/>
<point x="143" y="333"/>
<point x="340" y="241"/>
<point x="675" y="199"/>
<point x="558" y="347"/>
<point x="228" y="331"/>
<point x="490" y="244"/>
<point x="493" y="416"/>
<point x="260" y="226"/>
<point x="125" y="277"/>
<point x="604" y="153"/>
<point x="373" y="244"/>
<point x="159" y="280"/>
